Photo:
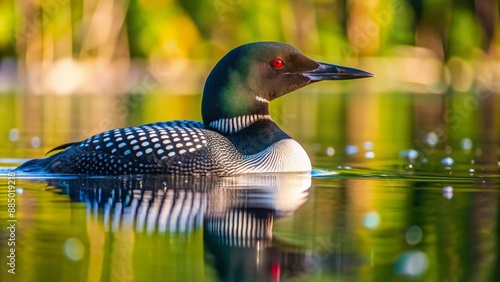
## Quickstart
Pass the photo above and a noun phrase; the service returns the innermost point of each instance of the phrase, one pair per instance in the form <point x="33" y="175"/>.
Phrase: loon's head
<point x="249" y="76"/>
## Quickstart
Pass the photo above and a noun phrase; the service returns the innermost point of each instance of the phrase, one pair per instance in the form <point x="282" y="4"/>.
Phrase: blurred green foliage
<point x="198" y="29"/>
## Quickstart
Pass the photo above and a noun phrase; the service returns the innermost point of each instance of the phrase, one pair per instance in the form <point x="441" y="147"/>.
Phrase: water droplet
<point x="368" y="145"/>
<point x="410" y="154"/>
<point x="73" y="249"/>
<point x="370" y="155"/>
<point x="413" y="235"/>
<point x="330" y="151"/>
<point x="432" y="138"/>
<point x="14" y="134"/>
<point x="19" y="191"/>
<point x="351" y="149"/>
<point x="411" y="263"/>
<point x="448" y="192"/>
<point x="36" y="142"/>
<point x="466" y="144"/>
<point x="447" y="161"/>
<point x="371" y="220"/>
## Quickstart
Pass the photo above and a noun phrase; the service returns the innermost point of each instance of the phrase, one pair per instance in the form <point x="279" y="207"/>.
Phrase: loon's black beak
<point x="333" y="72"/>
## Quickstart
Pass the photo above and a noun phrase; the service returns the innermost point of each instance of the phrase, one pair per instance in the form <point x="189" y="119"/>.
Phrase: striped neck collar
<point x="235" y="124"/>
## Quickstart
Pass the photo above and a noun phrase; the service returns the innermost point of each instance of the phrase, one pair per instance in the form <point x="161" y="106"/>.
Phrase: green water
<point x="406" y="188"/>
<point x="269" y="228"/>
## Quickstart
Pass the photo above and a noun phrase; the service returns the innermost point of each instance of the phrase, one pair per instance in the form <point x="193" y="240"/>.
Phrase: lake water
<point x="405" y="188"/>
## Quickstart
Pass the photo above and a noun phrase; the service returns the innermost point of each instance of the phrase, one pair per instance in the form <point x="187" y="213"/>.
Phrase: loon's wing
<point x="164" y="147"/>
<point x="41" y="165"/>
<point x="62" y="147"/>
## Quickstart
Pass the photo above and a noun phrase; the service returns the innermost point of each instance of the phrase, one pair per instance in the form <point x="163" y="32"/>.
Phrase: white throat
<point x="235" y="124"/>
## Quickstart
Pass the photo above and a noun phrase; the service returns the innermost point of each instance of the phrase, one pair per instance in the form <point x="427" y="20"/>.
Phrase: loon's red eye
<point x="277" y="63"/>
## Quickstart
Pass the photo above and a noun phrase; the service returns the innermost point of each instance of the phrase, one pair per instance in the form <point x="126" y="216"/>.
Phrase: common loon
<point x="237" y="134"/>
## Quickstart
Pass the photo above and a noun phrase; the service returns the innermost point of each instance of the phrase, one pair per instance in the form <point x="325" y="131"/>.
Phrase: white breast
<point x="284" y="156"/>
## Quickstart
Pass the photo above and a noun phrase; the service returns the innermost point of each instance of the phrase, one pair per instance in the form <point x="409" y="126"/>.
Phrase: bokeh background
<point x="417" y="146"/>
<point x="73" y="68"/>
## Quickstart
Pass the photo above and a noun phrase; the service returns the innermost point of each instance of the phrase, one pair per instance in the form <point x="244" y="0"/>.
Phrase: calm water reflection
<point x="254" y="228"/>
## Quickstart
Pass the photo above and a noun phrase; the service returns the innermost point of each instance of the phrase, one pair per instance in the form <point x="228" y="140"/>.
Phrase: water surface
<point x="254" y="228"/>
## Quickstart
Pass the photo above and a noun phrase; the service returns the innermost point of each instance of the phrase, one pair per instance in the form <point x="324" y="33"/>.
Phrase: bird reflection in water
<point x="235" y="214"/>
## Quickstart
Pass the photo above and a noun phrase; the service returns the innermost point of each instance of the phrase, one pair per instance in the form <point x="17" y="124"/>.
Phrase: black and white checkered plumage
<point x="169" y="147"/>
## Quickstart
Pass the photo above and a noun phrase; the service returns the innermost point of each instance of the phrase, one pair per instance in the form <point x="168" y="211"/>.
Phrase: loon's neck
<point x="257" y="136"/>
<point x="236" y="124"/>
<point x="228" y="114"/>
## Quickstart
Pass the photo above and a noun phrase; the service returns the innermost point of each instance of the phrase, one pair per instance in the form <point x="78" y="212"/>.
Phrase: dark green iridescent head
<point x="249" y="75"/>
